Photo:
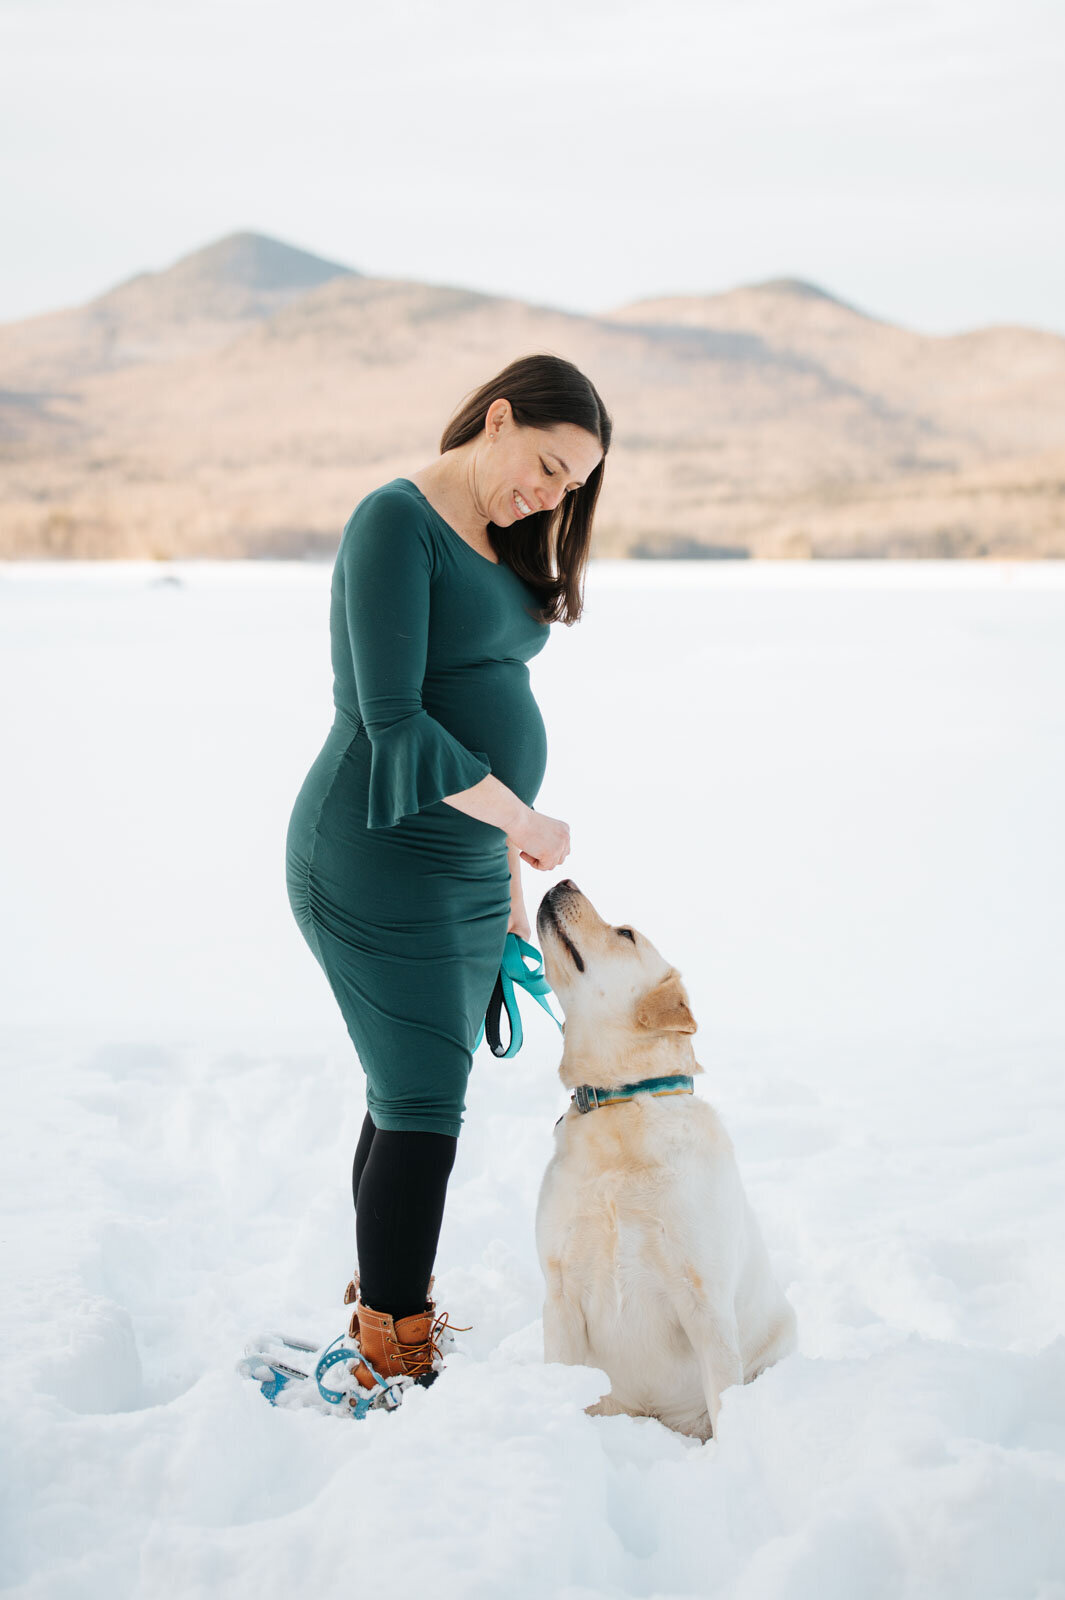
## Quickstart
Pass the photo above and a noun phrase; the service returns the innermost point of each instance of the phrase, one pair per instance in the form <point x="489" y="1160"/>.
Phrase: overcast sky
<point x="909" y="157"/>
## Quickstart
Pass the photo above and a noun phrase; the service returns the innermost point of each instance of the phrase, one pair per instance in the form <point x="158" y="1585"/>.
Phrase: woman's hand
<point x="541" y="841"/>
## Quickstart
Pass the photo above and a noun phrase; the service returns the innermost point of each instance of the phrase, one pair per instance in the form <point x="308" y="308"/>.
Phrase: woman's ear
<point x="498" y="413"/>
<point x="665" y="1008"/>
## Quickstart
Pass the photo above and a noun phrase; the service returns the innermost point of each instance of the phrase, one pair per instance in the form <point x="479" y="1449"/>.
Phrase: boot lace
<point x="419" y="1358"/>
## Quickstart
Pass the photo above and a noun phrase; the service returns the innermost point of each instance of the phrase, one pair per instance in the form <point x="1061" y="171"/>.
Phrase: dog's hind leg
<point x="565" y="1330"/>
<point x="715" y="1341"/>
<point x="780" y="1342"/>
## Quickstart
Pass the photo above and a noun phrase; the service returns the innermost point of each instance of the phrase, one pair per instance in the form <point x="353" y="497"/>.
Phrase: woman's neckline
<point x="450" y="529"/>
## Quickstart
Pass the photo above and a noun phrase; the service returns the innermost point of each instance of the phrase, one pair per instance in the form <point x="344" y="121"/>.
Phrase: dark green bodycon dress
<point x="404" y="900"/>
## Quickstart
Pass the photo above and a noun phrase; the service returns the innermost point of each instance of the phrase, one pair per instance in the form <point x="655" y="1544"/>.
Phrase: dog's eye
<point x="626" y="933"/>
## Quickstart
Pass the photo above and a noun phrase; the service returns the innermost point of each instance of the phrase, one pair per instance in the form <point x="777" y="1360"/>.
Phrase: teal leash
<point x="513" y="970"/>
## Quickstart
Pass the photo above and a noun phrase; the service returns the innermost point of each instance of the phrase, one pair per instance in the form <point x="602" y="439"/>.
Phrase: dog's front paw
<point x="606" y="1406"/>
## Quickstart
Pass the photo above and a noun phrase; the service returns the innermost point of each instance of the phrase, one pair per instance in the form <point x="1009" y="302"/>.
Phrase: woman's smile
<point x="524" y="509"/>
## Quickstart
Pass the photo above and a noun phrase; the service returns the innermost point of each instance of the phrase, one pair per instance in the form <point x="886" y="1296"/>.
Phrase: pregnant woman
<point x="404" y="848"/>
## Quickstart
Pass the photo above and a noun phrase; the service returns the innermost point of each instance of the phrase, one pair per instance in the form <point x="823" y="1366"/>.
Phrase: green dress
<point x="404" y="900"/>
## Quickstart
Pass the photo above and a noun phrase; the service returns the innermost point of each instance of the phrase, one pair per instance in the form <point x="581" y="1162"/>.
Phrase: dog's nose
<point x="565" y="883"/>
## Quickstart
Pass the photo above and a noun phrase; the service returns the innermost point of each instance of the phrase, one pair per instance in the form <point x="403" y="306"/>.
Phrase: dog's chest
<point x="607" y="1185"/>
<point x="630" y="1147"/>
<point x="629" y="1187"/>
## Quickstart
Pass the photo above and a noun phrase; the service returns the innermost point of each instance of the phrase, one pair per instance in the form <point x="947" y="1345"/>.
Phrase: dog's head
<point x="625" y="1004"/>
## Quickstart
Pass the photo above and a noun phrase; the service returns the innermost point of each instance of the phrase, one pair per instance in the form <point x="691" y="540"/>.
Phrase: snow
<point x="832" y="796"/>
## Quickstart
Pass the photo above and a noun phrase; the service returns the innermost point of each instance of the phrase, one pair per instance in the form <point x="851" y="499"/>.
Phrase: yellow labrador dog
<point x="655" y="1268"/>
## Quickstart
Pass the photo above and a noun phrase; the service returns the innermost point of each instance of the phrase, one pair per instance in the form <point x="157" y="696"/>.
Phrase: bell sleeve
<point x="386" y="562"/>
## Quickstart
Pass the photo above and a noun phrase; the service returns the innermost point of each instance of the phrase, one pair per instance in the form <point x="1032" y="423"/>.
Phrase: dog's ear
<point x="665" y="1009"/>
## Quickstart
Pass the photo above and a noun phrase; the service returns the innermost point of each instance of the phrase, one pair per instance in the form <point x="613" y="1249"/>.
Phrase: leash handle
<point x="513" y="970"/>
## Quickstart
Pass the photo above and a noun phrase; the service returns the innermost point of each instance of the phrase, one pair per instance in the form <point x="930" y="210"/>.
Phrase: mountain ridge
<point x="241" y="400"/>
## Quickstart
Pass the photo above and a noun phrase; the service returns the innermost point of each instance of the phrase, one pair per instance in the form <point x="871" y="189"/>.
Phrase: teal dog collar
<point x="586" y="1097"/>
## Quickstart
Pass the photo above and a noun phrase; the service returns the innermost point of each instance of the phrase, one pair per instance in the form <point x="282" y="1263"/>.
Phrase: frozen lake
<point x="832" y="796"/>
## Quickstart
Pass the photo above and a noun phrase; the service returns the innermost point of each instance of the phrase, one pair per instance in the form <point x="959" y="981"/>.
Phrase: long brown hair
<point x="543" y="391"/>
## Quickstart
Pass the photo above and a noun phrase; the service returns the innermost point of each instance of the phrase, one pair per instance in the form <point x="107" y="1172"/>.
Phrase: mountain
<point x="1008" y="383"/>
<point x="243" y="400"/>
<point x="160" y="316"/>
<point x="245" y="275"/>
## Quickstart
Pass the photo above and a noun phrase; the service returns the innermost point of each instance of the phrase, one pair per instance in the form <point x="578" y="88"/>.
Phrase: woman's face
<point x="525" y="470"/>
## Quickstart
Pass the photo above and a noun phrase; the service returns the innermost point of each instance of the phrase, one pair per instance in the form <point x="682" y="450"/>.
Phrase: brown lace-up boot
<point x="351" y="1295"/>
<point x="408" y="1348"/>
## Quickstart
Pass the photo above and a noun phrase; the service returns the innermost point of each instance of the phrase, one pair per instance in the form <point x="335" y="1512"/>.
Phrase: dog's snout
<point x="556" y="916"/>
<point x="562" y="889"/>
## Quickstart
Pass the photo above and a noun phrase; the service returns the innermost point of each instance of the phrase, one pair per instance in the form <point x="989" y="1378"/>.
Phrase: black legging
<point x="399" y="1185"/>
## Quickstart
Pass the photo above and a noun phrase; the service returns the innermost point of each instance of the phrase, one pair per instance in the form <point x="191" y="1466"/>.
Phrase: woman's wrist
<point x="491" y="801"/>
<point x="518" y="921"/>
<point x="519" y="916"/>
